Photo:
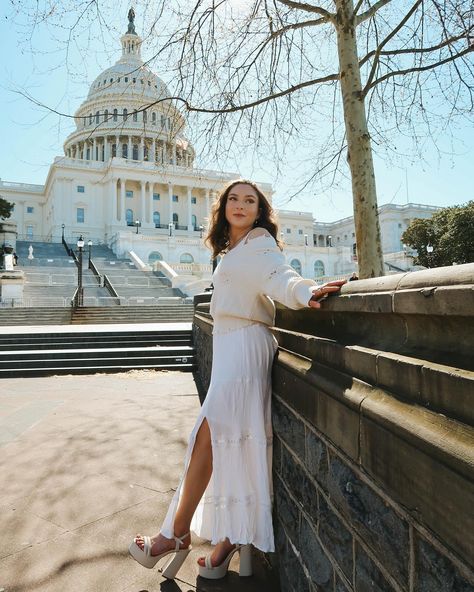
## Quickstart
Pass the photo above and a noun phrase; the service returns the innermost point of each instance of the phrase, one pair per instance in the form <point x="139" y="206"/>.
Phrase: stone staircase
<point x="48" y="315"/>
<point x="75" y="350"/>
<point x="164" y="313"/>
<point x="51" y="278"/>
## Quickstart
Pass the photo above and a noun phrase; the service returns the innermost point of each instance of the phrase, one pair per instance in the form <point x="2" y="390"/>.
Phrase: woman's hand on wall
<point x="322" y="292"/>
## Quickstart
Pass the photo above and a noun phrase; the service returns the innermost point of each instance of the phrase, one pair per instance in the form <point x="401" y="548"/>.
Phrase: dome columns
<point x="138" y="148"/>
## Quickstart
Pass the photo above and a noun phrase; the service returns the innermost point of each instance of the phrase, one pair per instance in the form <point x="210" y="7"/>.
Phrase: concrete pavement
<point x="85" y="463"/>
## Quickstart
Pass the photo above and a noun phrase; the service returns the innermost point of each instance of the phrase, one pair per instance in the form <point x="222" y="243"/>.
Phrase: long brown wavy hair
<point x="218" y="235"/>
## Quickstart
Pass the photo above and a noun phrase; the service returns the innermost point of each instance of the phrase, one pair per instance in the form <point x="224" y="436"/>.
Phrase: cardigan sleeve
<point x="275" y="277"/>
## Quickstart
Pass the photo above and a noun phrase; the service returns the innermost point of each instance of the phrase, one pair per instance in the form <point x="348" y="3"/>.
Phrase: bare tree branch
<point x="308" y="8"/>
<point x="369" y="13"/>
<point x="421" y="68"/>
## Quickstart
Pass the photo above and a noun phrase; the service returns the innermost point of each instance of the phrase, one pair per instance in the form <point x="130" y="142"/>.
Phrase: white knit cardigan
<point x="248" y="279"/>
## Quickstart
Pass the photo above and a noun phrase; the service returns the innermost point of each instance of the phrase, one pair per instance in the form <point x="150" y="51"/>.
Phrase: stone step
<point x="41" y="352"/>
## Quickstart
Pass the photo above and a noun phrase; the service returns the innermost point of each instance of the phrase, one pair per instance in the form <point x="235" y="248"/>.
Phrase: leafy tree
<point x="449" y="232"/>
<point x="5" y="208"/>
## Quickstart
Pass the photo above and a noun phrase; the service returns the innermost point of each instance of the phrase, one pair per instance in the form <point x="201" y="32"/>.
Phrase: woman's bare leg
<point x="197" y="477"/>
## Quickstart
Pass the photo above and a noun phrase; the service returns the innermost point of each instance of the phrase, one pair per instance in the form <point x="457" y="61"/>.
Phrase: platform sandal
<point x="145" y="558"/>
<point x="218" y="572"/>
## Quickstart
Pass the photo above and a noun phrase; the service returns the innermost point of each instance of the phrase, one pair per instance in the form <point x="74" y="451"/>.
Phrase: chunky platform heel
<point x="245" y="568"/>
<point x="145" y="558"/>
<point x="219" y="571"/>
<point x="170" y="570"/>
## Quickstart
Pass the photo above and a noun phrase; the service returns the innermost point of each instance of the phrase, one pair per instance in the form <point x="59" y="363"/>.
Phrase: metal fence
<point x="60" y="302"/>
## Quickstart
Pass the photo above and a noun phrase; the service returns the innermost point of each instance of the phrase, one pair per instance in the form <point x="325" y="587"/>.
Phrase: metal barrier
<point x="59" y="302"/>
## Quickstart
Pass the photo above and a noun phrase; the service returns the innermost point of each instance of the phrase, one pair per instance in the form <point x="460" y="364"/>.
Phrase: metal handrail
<point x="110" y="288"/>
<point x="70" y="251"/>
<point x="96" y="272"/>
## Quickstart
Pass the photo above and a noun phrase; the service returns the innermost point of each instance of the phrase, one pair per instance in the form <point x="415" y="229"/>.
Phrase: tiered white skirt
<point x="238" y="500"/>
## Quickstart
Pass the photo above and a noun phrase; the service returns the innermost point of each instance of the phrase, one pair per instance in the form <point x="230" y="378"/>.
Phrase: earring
<point x="256" y="222"/>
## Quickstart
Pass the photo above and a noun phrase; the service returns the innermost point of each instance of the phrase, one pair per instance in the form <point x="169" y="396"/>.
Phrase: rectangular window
<point x="29" y="231"/>
<point x="288" y="231"/>
<point x="193" y="200"/>
<point x="156" y="197"/>
<point x="175" y="198"/>
<point x="80" y="189"/>
<point x="300" y="231"/>
<point x="129" y="193"/>
<point x="30" y="209"/>
<point x="80" y="215"/>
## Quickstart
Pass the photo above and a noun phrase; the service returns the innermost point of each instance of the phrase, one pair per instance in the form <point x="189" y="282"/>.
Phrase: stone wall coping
<point x="438" y="276"/>
<point x="437" y="387"/>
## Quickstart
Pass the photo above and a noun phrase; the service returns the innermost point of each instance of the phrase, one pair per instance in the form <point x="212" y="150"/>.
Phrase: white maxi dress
<point x="237" y="502"/>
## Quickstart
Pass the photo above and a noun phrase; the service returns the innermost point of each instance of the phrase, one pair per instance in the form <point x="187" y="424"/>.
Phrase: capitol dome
<point x="127" y="114"/>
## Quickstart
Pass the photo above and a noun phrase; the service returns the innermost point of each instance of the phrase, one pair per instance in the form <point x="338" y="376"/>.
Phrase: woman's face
<point x="241" y="209"/>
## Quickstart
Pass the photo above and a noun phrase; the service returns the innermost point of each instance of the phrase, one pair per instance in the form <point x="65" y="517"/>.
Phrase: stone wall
<point x="373" y="436"/>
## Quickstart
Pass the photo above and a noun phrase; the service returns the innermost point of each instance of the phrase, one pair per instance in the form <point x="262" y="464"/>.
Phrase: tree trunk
<point x="364" y="193"/>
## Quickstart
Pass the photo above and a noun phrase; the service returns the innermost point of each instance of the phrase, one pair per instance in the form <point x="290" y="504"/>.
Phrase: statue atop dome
<point x="131" y="22"/>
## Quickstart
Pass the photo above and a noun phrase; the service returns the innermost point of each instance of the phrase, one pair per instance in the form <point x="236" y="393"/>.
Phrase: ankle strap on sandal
<point x="179" y="540"/>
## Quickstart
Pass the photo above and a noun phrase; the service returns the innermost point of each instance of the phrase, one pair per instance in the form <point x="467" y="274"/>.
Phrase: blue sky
<point x="32" y="136"/>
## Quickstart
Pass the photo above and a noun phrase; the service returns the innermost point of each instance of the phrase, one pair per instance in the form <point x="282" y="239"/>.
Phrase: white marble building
<point x="129" y="164"/>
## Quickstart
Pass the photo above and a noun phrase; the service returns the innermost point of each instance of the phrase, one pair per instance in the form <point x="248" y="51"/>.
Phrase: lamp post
<point x="200" y="231"/>
<point x="89" y="244"/>
<point x="63" y="226"/>
<point x="429" y="250"/>
<point x="305" y="240"/>
<point x="170" y="228"/>
<point x="80" y="246"/>
<point x="137" y="224"/>
<point x="329" y="240"/>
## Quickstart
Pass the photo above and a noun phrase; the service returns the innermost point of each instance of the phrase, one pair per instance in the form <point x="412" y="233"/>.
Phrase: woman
<point x="225" y="494"/>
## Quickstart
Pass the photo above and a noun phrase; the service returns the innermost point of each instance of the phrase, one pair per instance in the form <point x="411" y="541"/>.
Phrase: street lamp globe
<point x="80" y="242"/>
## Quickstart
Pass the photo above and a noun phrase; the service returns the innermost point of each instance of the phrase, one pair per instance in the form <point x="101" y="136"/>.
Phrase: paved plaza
<point x="85" y="462"/>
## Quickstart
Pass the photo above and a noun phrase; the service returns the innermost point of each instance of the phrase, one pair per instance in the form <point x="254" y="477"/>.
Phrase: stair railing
<point x="96" y="272"/>
<point x="70" y="251"/>
<point x="110" y="288"/>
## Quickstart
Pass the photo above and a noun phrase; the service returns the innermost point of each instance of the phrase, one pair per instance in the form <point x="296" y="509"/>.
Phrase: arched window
<point x="354" y="249"/>
<point x="153" y="117"/>
<point x="124" y="150"/>
<point x="145" y="152"/>
<point x="125" y="114"/>
<point x="114" y="150"/>
<point x="296" y="265"/>
<point x="145" y="117"/>
<point x="156" y="219"/>
<point x="97" y="117"/>
<point x="106" y="115"/>
<point x="175" y="218"/>
<point x="194" y="221"/>
<point x="90" y="118"/>
<point x="129" y="217"/>
<point x="135" y="152"/>
<point x="155" y="256"/>
<point x="115" y="114"/>
<point x="186" y="258"/>
<point x="318" y="268"/>
<point x="135" y="116"/>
